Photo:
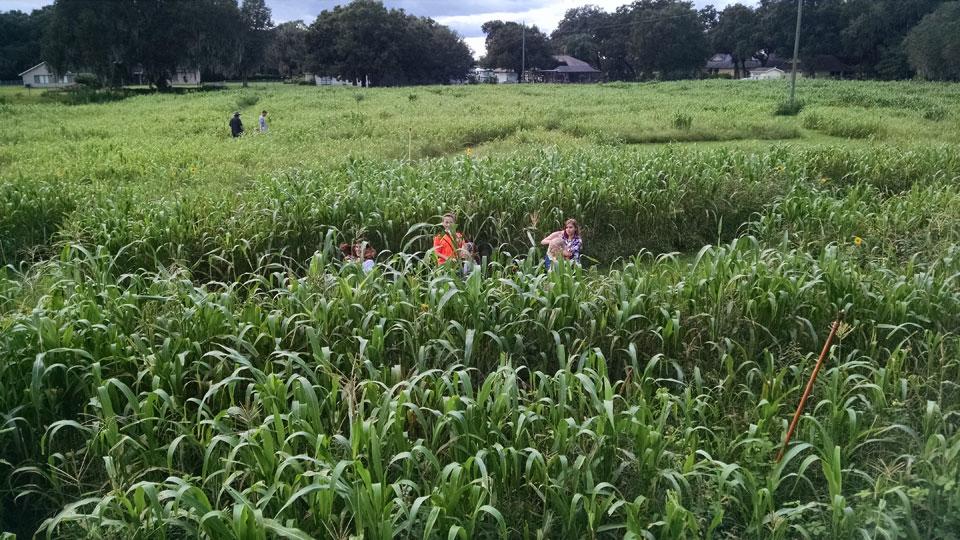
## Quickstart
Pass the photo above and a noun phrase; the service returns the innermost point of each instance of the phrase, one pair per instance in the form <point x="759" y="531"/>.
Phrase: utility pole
<point x="796" y="52"/>
<point x="523" y="50"/>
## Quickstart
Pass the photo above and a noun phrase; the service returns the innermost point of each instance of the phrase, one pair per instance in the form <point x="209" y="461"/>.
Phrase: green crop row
<point x="649" y="401"/>
<point x="669" y="200"/>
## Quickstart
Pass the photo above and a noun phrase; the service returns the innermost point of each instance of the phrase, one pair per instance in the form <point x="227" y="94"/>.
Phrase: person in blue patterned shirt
<point x="569" y="239"/>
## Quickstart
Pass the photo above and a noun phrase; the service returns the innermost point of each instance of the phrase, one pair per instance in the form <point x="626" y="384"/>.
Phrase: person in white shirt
<point x="263" y="122"/>
<point x="369" y="258"/>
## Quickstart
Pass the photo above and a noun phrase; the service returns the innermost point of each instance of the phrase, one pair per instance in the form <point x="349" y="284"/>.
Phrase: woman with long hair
<point x="568" y="240"/>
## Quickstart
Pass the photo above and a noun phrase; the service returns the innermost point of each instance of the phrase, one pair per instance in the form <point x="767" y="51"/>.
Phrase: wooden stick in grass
<point x="813" y="378"/>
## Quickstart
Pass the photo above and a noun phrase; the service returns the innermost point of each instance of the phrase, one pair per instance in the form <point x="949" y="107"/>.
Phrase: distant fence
<point x="15" y="82"/>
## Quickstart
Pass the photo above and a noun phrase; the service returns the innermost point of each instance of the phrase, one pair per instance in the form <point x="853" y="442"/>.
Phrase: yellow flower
<point x="857" y="241"/>
<point x="424" y="307"/>
<point x="469" y="151"/>
<point x="824" y="179"/>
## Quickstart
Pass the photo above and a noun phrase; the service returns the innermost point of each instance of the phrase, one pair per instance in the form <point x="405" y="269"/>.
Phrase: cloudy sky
<point x="464" y="16"/>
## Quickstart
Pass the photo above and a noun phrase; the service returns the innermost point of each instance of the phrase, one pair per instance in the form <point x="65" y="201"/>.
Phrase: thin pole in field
<point x="523" y="49"/>
<point x="796" y="53"/>
<point x="813" y="378"/>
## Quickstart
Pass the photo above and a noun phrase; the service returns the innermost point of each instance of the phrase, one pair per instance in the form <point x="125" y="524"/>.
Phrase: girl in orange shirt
<point x="447" y="244"/>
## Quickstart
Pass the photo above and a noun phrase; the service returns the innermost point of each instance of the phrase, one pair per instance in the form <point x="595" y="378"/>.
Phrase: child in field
<point x="263" y="122"/>
<point x="565" y="244"/>
<point x="369" y="256"/>
<point x="468" y="254"/>
<point x="448" y="243"/>
<point x="360" y="252"/>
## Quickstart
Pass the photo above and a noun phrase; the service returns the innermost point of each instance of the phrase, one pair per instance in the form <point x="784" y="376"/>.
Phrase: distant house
<point x="43" y="76"/>
<point x="328" y="80"/>
<point x="825" y="66"/>
<point x="181" y="76"/>
<point x="722" y="64"/>
<point x="186" y="76"/>
<point x="767" y="74"/>
<point x="505" y="76"/>
<point x="569" y="70"/>
<point x="481" y="75"/>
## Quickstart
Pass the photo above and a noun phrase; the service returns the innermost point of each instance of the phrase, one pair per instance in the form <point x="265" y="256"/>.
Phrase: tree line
<point x="878" y="39"/>
<point x="365" y="42"/>
<point x="152" y="38"/>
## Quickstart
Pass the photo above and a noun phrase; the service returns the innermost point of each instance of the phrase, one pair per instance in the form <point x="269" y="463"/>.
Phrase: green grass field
<point x="184" y="355"/>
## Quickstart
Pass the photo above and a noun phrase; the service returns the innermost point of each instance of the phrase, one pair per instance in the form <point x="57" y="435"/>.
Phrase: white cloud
<point x="546" y="18"/>
<point x="477" y="45"/>
<point x="23" y="5"/>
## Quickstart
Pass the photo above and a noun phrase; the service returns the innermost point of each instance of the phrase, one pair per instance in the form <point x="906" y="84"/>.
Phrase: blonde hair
<point x="555" y="249"/>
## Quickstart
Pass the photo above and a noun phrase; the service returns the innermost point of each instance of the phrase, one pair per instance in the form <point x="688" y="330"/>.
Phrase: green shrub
<point x="855" y="129"/>
<point x="88" y="80"/>
<point x="682" y="121"/>
<point x="247" y="100"/>
<point x="787" y="108"/>
<point x="843" y="127"/>
<point x="85" y="95"/>
<point x="935" y="113"/>
<point x="812" y="121"/>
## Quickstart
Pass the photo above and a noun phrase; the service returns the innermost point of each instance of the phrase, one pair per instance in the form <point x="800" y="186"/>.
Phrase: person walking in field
<point x="263" y="122"/>
<point x="361" y="252"/>
<point x="565" y="244"/>
<point x="236" y="126"/>
<point x="449" y="242"/>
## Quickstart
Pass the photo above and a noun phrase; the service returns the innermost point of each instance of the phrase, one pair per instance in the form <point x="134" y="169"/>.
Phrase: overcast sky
<point x="464" y="16"/>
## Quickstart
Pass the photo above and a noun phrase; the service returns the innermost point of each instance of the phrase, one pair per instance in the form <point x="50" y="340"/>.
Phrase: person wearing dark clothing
<point x="236" y="126"/>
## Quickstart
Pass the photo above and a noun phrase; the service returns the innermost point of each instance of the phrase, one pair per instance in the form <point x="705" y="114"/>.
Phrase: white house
<point x="182" y="76"/>
<point x="498" y="75"/>
<point x="505" y="76"/>
<point x="336" y="81"/>
<point x="43" y="76"/>
<point x="186" y="76"/>
<point x="482" y="75"/>
<point x="330" y="81"/>
<point x="766" y="74"/>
